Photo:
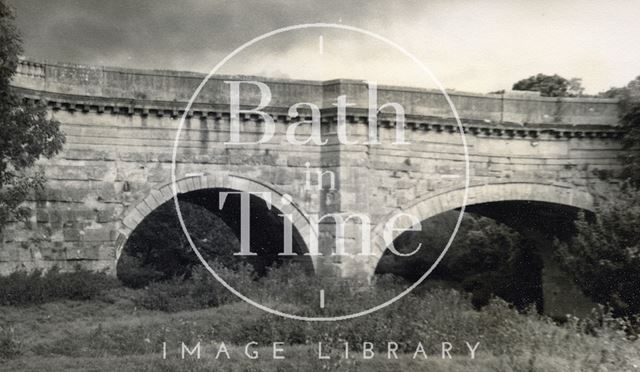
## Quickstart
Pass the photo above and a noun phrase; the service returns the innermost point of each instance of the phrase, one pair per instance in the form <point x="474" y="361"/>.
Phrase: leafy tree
<point x="629" y="97"/>
<point x="627" y="94"/>
<point x="493" y="259"/>
<point x="158" y="249"/>
<point x="575" y="88"/>
<point x="486" y="258"/>
<point x="26" y="133"/>
<point x="551" y="85"/>
<point x="604" y="256"/>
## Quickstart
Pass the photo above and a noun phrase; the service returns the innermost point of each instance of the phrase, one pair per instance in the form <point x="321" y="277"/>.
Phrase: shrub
<point x="604" y="256"/>
<point x="29" y="288"/>
<point x="487" y="258"/>
<point x="158" y="250"/>
<point x="132" y="273"/>
<point x="629" y="106"/>
<point x="200" y="290"/>
<point x="10" y="347"/>
<point x="176" y="295"/>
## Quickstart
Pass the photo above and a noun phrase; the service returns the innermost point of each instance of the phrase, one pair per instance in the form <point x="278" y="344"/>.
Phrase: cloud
<point x="470" y="45"/>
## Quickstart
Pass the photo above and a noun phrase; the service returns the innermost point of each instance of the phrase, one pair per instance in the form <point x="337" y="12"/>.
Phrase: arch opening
<point x="504" y="247"/>
<point x="157" y="248"/>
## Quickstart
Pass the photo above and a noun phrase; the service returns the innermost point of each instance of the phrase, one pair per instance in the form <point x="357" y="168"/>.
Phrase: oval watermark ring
<point x="406" y="53"/>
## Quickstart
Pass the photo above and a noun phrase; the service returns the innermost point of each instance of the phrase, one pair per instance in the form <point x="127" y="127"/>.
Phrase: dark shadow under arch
<point x="538" y="224"/>
<point x="266" y="225"/>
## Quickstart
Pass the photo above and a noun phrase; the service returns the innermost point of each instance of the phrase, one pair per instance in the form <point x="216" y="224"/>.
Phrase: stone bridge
<point x="121" y="123"/>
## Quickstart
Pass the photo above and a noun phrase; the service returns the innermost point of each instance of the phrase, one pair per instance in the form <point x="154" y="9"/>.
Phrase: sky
<point x="468" y="45"/>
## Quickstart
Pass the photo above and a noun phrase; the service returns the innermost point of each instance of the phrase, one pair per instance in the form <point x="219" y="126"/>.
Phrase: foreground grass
<point x="117" y="335"/>
<point x="301" y="358"/>
<point x="106" y="328"/>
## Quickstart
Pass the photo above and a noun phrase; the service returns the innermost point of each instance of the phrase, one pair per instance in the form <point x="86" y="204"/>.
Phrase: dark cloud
<point x="479" y="45"/>
<point x="161" y="34"/>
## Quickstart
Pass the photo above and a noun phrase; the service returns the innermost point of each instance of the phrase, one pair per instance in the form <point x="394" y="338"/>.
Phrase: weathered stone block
<point x="103" y="234"/>
<point x="136" y="157"/>
<point x="56" y="252"/>
<point x="283" y="177"/>
<point x="97" y="172"/>
<point x="8" y="234"/>
<point x="107" y="214"/>
<point x="42" y="216"/>
<point x="91" y="251"/>
<point x="67" y="173"/>
<point x="8" y="253"/>
<point x="74" y="253"/>
<point x="300" y="161"/>
<point x="405" y="184"/>
<point x="82" y="154"/>
<point x="72" y="234"/>
<point x="24" y="254"/>
<point x="55" y="215"/>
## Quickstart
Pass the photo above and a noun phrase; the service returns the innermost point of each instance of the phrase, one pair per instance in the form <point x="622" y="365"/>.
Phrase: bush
<point x="175" y="295"/>
<point x="604" y="256"/>
<point x="198" y="291"/>
<point x="23" y="288"/>
<point x="178" y="294"/>
<point x="10" y="347"/>
<point x="132" y="273"/>
<point x="487" y="258"/>
<point x="629" y="105"/>
<point x="158" y="250"/>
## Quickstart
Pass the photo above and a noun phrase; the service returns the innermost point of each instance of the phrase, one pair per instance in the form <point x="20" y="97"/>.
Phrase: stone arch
<point x="201" y="181"/>
<point x="433" y="204"/>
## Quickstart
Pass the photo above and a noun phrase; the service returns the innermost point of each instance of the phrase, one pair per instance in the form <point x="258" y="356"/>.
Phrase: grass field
<point x="85" y="322"/>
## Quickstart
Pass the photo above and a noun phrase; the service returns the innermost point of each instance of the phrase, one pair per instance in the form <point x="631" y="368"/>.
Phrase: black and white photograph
<point x="278" y="185"/>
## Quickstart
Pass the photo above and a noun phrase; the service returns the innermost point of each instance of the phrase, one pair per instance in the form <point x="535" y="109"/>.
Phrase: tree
<point x="486" y="258"/>
<point x="604" y="256"/>
<point x="158" y="248"/>
<point x="575" y="88"/>
<point x="627" y="94"/>
<point x="551" y="85"/>
<point x="26" y="134"/>
<point x="494" y="259"/>
<point x="629" y="97"/>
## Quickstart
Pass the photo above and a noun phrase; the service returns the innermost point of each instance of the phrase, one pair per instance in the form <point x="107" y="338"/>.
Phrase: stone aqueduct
<point x="121" y="123"/>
